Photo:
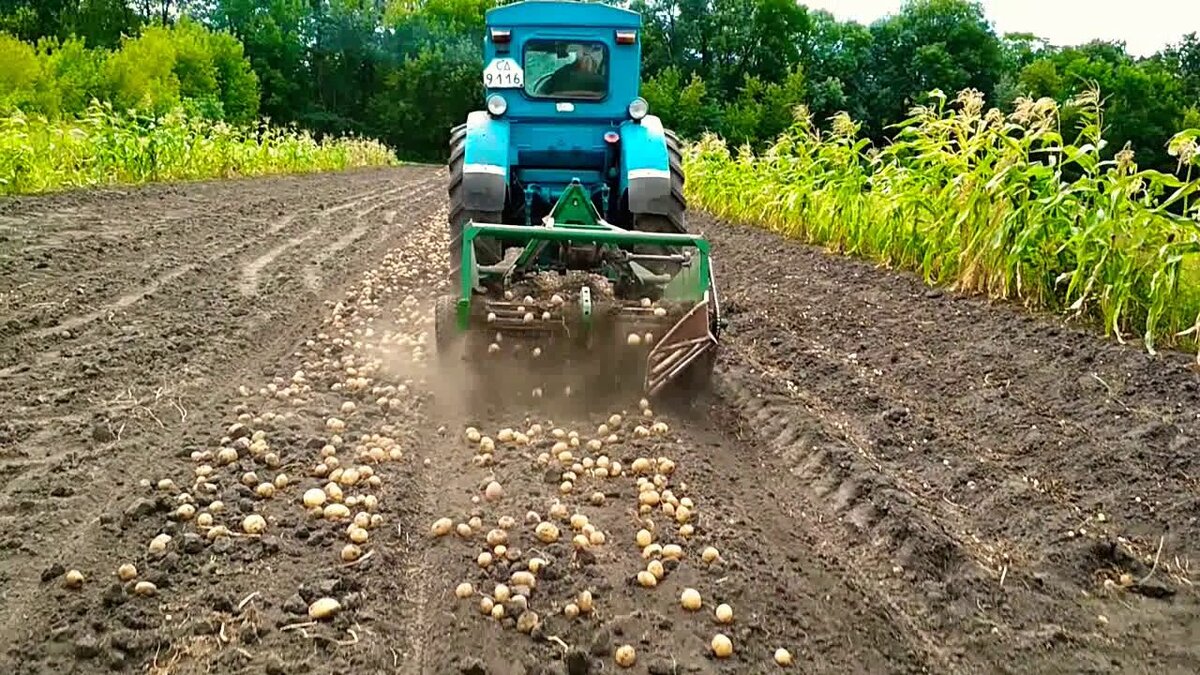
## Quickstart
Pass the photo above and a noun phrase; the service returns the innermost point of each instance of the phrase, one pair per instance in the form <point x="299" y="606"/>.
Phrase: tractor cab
<point x="557" y="61"/>
<point x="561" y="82"/>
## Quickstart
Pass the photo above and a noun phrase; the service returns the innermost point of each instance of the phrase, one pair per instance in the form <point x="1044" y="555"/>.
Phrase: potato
<point x="159" y="543"/>
<point x="656" y="568"/>
<point x="644" y="538"/>
<point x="254" y="524"/>
<point x="497" y="537"/>
<point x="585" y="602"/>
<point x="313" y="497"/>
<point x="324" y="608"/>
<point x="547" y="532"/>
<point x="493" y="491"/>
<point x="527" y="621"/>
<point x="625" y="656"/>
<point x="724" y="614"/>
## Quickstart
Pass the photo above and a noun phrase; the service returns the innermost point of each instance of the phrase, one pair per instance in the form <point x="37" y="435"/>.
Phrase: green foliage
<point x="141" y="75"/>
<point x="158" y="70"/>
<point x="979" y="199"/>
<point x="100" y="23"/>
<point x="688" y="107"/>
<point x="1144" y="101"/>
<point x="103" y="147"/>
<point x="931" y="44"/>
<point x="424" y="93"/>
<point x="164" y="66"/>
<point x="21" y="74"/>
<point x="77" y="72"/>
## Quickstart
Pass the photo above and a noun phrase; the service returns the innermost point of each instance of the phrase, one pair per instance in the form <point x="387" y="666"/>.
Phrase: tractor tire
<point x="487" y="251"/>
<point x="675" y="220"/>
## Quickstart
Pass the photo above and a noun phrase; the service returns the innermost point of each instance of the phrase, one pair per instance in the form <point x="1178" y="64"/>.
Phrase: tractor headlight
<point x="638" y="108"/>
<point x="497" y="105"/>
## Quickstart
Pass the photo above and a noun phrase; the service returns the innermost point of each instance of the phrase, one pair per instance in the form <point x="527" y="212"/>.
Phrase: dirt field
<point x="896" y="479"/>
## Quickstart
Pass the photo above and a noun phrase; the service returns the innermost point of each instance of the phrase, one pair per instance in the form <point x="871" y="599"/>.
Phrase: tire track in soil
<point x="252" y="269"/>
<point x="1006" y="479"/>
<point x="131" y="298"/>
<point x="67" y="252"/>
<point x="325" y="253"/>
<point x="122" y="302"/>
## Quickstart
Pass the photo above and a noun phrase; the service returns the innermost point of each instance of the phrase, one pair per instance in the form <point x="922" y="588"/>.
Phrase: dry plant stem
<point x="1149" y="574"/>
<point x="247" y="599"/>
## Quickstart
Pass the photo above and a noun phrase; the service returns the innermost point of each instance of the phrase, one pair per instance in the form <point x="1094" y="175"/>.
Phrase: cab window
<point x="566" y="69"/>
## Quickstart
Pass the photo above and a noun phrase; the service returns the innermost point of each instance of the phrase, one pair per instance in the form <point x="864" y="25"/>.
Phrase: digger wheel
<point x="445" y="318"/>
<point x="487" y="251"/>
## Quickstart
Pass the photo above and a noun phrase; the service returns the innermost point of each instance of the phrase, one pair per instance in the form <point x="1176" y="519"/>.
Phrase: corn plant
<point x="103" y="147"/>
<point x="988" y="203"/>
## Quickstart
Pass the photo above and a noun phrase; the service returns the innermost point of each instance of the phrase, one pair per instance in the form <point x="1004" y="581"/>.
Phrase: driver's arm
<point x="557" y="80"/>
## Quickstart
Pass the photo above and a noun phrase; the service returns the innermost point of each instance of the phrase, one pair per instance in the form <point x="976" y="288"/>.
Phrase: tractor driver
<point x="582" y="77"/>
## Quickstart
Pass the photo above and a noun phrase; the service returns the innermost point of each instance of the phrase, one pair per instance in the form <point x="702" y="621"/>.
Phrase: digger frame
<point x="574" y="220"/>
<point x="685" y="287"/>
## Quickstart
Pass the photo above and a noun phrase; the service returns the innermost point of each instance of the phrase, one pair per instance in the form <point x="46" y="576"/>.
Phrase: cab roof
<point x="562" y="13"/>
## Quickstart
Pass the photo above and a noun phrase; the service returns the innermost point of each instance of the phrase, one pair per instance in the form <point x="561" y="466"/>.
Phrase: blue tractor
<point x="568" y="237"/>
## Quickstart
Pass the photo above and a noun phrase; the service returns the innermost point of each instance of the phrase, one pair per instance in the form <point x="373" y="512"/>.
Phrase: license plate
<point x="503" y="74"/>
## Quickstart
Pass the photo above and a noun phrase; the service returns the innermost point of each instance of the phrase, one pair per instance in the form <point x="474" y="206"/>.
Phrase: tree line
<point x="405" y="71"/>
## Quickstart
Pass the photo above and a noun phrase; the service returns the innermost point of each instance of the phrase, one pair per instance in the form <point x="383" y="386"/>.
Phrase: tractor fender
<point x="485" y="162"/>
<point x="645" y="166"/>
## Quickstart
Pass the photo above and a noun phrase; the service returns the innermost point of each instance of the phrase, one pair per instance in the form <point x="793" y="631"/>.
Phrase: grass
<point x="102" y="147"/>
<point x="989" y="203"/>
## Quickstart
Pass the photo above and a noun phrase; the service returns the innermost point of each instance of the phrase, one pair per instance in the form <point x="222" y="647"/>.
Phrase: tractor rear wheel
<point x="674" y="221"/>
<point x="487" y="251"/>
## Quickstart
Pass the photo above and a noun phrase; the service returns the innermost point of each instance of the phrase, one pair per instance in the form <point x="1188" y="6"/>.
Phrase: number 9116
<point x="509" y="79"/>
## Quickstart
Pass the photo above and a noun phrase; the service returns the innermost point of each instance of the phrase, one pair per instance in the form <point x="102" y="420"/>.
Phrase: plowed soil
<point x="895" y="479"/>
